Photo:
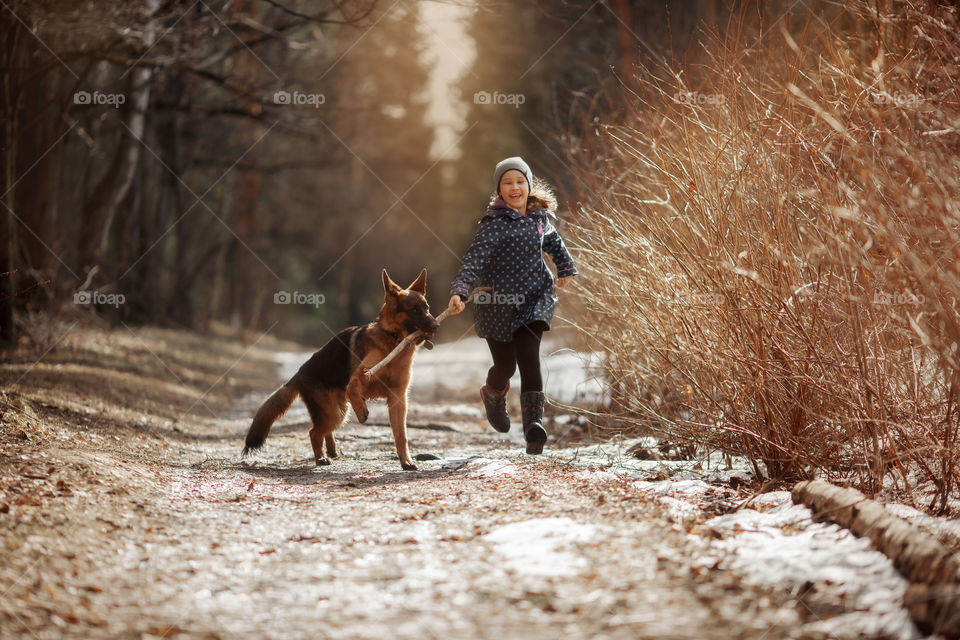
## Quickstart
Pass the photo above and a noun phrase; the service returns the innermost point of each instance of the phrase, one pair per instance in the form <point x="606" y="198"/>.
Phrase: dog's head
<point x="405" y="311"/>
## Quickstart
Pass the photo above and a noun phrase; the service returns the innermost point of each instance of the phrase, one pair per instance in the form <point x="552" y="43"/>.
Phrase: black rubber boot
<point x="531" y="403"/>
<point x="495" y="402"/>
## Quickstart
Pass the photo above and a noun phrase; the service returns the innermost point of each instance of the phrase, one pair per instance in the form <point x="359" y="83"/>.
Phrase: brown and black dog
<point x="335" y="374"/>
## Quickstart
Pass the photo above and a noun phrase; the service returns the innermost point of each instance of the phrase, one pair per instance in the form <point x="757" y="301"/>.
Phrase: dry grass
<point x="772" y="260"/>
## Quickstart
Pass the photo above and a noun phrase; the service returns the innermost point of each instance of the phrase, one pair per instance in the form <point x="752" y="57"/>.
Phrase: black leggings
<point x="524" y="352"/>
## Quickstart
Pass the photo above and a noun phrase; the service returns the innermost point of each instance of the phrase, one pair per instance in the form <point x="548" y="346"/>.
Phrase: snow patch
<point x="289" y="362"/>
<point x="472" y="411"/>
<point x="488" y="468"/>
<point x="676" y="488"/>
<point x="679" y="511"/>
<point x="534" y="547"/>
<point x="573" y="377"/>
<point x="615" y="456"/>
<point x="569" y="376"/>
<point x="945" y="530"/>
<point x="784" y="548"/>
<point x="677" y="497"/>
<point x="772" y="499"/>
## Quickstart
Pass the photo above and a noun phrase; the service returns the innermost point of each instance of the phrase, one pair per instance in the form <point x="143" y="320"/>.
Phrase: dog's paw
<point x="323" y="462"/>
<point x="336" y="453"/>
<point x="408" y="466"/>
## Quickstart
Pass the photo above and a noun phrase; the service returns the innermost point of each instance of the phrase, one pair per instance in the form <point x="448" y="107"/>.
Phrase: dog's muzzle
<point x="431" y="328"/>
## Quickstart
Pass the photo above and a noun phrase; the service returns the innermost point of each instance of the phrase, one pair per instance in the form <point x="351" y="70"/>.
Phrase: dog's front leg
<point x="355" y="394"/>
<point x="398" y="422"/>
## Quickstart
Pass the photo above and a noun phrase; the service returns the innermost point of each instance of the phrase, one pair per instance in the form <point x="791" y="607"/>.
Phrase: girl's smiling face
<point x="514" y="189"/>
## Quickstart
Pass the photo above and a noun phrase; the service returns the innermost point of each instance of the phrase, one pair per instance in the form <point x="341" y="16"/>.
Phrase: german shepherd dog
<point x="335" y="374"/>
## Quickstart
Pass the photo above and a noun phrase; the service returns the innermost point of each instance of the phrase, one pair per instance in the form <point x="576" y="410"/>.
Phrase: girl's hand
<point x="564" y="280"/>
<point x="456" y="305"/>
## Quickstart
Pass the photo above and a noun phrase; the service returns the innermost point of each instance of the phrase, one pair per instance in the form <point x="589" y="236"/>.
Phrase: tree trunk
<point x="9" y="157"/>
<point x="626" y="47"/>
<point x="249" y="184"/>
<point x="138" y="118"/>
<point x="8" y="247"/>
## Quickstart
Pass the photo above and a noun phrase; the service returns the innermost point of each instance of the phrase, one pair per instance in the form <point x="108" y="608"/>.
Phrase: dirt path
<point x="160" y="530"/>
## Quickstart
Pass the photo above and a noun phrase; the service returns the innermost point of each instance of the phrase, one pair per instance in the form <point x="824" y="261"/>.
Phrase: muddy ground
<point x="126" y="512"/>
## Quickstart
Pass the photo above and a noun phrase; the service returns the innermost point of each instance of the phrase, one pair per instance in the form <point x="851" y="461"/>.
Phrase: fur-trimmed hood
<point x="500" y="208"/>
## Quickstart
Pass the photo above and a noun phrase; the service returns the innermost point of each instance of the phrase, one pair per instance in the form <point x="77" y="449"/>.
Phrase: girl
<point x="507" y="256"/>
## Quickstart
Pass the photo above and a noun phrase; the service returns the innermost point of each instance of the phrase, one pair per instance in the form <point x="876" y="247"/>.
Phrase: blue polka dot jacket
<point x="507" y="255"/>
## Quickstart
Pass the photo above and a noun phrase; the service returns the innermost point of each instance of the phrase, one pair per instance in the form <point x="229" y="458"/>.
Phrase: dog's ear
<point x="390" y="287"/>
<point x="420" y="284"/>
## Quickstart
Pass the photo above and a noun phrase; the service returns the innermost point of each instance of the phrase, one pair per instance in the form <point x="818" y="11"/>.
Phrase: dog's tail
<point x="268" y="413"/>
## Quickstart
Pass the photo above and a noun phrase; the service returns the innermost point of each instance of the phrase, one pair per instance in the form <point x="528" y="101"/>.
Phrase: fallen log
<point x="933" y="597"/>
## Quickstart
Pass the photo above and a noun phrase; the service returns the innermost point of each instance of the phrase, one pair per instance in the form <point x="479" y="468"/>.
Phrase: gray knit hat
<point x="516" y="162"/>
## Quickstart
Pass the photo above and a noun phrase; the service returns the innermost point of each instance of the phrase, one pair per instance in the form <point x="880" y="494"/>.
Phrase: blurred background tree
<point x="148" y="153"/>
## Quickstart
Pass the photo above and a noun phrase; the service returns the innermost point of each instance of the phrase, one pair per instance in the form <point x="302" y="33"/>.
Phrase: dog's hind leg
<point x="323" y="414"/>
<point x="333" y="451"/>
<point x="328" y="410"/>
<point x="316" y="439"/>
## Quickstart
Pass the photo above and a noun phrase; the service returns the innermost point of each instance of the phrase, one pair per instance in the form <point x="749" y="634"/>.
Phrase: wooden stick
<point x="416" y="334"/>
